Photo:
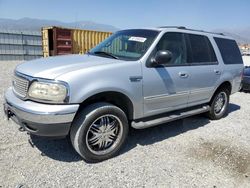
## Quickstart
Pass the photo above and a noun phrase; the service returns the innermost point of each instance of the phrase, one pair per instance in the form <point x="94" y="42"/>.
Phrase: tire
<point x="95" y="127"/>
<point x="216" y="112"/>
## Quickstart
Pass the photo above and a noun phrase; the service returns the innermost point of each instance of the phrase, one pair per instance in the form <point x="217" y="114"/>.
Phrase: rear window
<point x="200" y="49"/>
<point x="229" y="51"/>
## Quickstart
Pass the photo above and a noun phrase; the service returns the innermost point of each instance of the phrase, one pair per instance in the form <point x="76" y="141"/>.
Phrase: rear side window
<point x="200" y="49"/>
<point x="229" y="51"/>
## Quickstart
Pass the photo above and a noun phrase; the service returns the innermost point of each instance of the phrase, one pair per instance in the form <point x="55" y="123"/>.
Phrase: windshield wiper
<point x="106" y="53"/>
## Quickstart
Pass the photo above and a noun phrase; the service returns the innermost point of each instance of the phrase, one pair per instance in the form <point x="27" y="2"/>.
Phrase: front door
<point x="165" y="87"/>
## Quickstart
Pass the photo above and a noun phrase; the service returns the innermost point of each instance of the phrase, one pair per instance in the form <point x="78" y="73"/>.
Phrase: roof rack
<point x="178" y="27"/>
<point x="182" y="27"/>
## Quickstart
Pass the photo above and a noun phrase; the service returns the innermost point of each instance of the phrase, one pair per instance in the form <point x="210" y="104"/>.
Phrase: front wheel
<point x="99" y="131"/>
<point x="219" y="104"/>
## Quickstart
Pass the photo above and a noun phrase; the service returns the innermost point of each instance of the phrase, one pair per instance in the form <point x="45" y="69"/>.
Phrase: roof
<point x="188" y="30"/>
<point x="184" y="28"/>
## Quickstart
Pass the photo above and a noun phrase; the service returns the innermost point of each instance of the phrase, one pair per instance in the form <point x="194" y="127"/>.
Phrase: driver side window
<point x="175" y="43"/>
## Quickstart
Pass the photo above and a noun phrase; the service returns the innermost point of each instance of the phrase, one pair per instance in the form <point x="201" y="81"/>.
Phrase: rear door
<point x="232" y="59"/>
<point x="204" y="69"/>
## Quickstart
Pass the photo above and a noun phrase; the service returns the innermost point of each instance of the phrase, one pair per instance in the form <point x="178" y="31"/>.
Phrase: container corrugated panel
<point x="84" y="40"/>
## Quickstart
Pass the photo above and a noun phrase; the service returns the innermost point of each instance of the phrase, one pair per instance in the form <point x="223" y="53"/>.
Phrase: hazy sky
<point x="205" y="14"/>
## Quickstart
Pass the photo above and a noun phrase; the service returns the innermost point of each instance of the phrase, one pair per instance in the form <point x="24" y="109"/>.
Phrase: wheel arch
<point x="113" y="97"/>
<point x="225" y="84"/>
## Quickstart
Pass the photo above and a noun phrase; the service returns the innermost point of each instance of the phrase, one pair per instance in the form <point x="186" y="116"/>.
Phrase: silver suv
<point x="137" y="77"/>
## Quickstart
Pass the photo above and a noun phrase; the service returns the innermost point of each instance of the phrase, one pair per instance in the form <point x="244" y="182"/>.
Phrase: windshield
<point x="126" y="44"/>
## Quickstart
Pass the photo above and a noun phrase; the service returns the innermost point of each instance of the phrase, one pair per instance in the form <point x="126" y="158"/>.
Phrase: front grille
<point x="20" y="86"/>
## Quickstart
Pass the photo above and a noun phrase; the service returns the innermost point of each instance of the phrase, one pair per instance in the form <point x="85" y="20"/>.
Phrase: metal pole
<point x="23" y="46"/>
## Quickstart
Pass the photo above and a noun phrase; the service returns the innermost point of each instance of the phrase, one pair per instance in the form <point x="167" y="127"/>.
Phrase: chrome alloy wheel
<point x="220" y="103"/>
<point x="104" y="134"/>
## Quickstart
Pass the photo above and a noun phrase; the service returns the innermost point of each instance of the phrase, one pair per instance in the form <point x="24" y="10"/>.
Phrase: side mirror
<point x="162" y="57"/>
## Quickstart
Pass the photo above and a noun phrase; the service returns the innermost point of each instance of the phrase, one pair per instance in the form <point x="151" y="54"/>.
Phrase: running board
<point x="141" y="124"/>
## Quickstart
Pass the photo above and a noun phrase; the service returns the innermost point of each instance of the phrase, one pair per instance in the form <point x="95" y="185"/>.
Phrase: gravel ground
<point x="194" y="152"/>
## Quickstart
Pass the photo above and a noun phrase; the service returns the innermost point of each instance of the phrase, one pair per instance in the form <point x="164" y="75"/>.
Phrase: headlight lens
<point x="55" y="92"/>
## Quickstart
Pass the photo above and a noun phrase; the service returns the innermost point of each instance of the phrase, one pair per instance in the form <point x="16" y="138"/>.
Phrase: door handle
<point x="183" y="74"/>
<point x="217" y="72"/>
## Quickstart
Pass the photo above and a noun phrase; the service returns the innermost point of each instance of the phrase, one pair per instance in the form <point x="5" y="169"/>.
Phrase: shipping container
<point x="60" y="41"/>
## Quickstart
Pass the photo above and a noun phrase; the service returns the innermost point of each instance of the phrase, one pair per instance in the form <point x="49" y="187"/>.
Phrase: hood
<point x="52" y="67"/>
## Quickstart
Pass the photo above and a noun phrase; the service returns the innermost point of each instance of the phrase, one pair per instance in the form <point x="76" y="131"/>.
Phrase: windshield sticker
<point x="137" y="39"/>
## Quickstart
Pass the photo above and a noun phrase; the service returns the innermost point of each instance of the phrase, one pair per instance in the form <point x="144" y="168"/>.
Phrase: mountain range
<point x="241" y="35"/>
<point x="36" y="24"/>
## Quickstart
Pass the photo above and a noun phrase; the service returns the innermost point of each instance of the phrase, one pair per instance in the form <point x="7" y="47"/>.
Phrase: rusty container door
<point x="62" y="41"/>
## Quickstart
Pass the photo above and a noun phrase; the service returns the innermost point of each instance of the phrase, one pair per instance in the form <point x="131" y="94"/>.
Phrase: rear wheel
<point x="99" y="131"/>
<point x="219" y="104"/>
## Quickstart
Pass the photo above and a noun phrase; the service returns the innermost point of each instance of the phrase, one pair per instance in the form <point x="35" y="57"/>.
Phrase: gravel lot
<point x="194" y="152"/>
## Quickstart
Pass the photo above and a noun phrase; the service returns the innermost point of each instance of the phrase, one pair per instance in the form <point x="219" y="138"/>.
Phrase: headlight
<point x="46" y="91"/>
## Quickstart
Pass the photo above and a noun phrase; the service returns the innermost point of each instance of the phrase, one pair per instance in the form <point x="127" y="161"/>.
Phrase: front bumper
<point x="40" y="119"/>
